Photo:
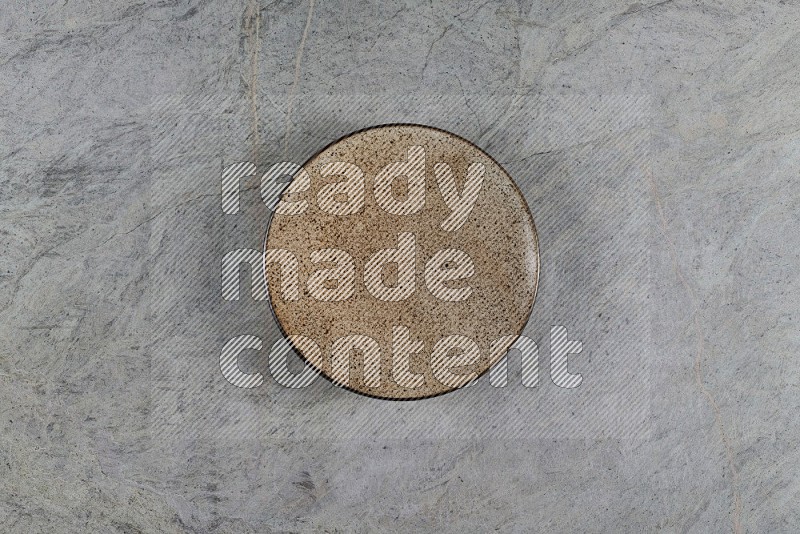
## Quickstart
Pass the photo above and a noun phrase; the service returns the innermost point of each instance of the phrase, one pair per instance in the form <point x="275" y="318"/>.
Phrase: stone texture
<point x="84" y="200"/>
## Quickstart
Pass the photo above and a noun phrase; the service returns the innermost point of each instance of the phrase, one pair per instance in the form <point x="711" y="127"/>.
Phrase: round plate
<point x="402" y="261"/>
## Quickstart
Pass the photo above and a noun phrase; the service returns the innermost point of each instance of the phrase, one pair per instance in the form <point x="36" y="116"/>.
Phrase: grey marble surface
<point x="100" y="193"/>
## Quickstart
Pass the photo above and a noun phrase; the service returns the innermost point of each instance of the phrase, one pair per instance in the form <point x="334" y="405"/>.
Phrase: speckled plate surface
<point x="443" y="211"/>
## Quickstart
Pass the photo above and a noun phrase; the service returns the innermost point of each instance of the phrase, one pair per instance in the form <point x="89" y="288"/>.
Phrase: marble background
<point x="85" y="204"/>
